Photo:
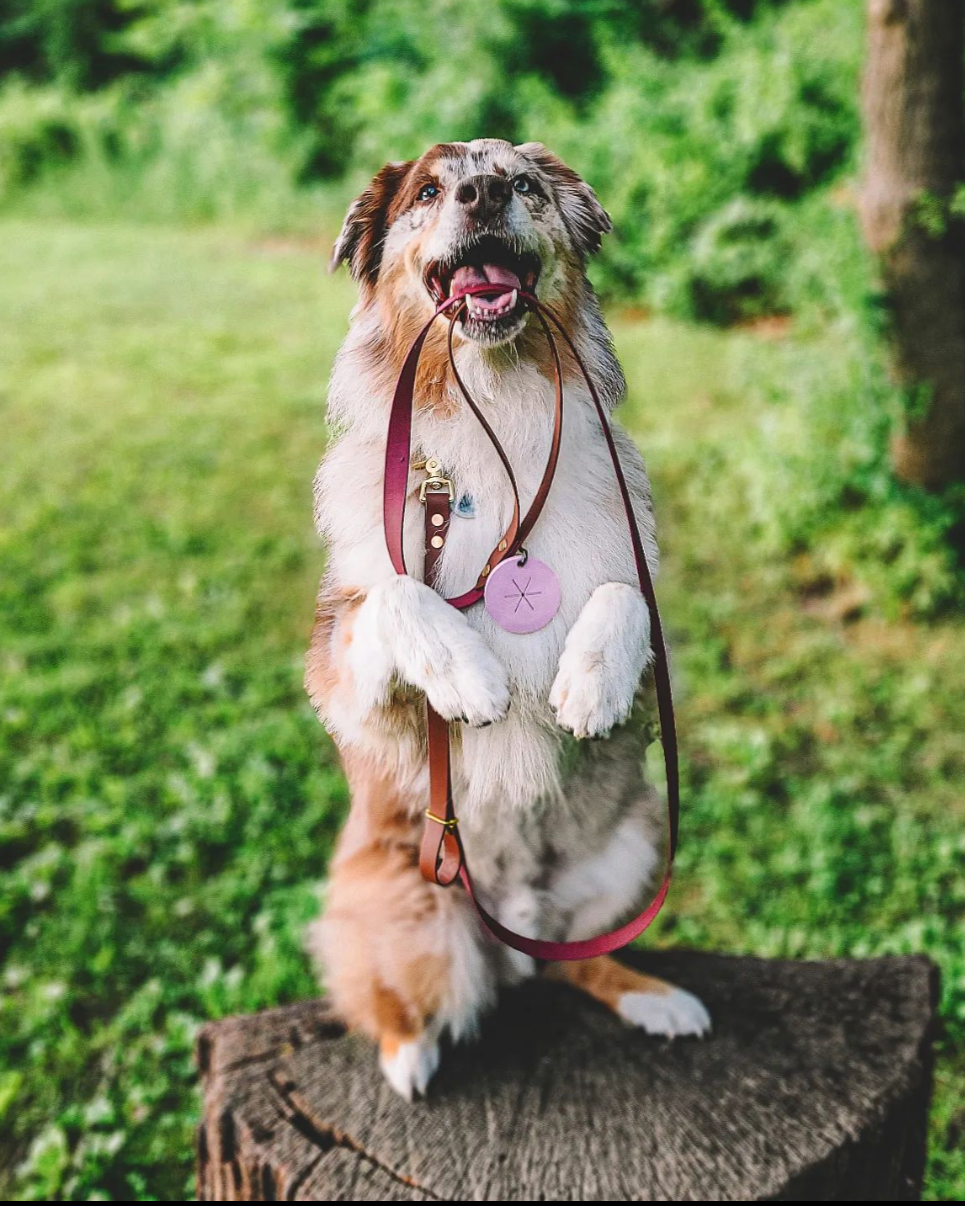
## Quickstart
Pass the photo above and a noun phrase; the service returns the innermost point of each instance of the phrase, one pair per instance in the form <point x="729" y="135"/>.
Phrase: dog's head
<point x="468" y="213"/>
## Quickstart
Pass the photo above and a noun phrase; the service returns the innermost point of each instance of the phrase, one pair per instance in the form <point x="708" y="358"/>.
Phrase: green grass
<point x="167" y="799"/>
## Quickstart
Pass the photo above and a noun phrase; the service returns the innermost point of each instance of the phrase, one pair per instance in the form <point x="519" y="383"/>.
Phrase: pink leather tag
<point x="522" y="595"/>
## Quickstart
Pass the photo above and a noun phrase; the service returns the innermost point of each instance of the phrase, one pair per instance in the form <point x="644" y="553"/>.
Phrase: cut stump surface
<point x="813" y="1086"/>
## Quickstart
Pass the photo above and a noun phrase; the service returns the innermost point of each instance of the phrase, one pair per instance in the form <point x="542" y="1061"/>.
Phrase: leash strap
<point x="398" y="453"/>
<point x="442" y="857"/>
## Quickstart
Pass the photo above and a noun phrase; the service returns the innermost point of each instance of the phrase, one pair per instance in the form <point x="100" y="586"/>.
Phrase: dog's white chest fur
<point x="581" y="533"/>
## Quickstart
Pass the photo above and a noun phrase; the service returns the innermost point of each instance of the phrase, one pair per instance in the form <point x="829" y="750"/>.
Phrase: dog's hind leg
<point x="403" y="961"/>
<point x="654" y="1005"/>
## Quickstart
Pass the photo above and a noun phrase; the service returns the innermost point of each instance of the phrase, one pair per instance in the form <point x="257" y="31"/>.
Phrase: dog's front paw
<point x="584" y="700"/>
<point x="605" y="655"/>
<point x="472" y="686"/>
<point x="437" y="651"/>
<point x="671" y="1013"/>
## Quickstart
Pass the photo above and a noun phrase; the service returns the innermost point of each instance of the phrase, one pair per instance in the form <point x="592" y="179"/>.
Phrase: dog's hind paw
<point x="672" y="1014"/>
<point x="409" y="1066"/>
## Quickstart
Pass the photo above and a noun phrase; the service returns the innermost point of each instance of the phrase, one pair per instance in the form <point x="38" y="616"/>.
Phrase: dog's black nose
<point x="484" y="197"/>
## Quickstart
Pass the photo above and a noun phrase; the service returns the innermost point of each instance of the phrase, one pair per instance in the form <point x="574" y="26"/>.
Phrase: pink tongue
<point x="492" y="274"/>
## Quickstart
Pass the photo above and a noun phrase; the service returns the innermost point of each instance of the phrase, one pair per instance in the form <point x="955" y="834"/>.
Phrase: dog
<point x="563" y="834"/>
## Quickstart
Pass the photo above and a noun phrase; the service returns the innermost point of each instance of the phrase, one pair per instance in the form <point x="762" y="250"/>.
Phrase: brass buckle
<point x="437" y="485"/>
<point x="435" y="481"/>
<point x="450" y="824"/>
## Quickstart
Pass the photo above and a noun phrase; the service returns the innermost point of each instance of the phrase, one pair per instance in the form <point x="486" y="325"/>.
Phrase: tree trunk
<point x="914" y="106"/>
<point x="813" y="1086"/>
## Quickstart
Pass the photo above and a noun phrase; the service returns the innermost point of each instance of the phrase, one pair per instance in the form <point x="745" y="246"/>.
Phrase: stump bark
<point x="813" y="1086"/>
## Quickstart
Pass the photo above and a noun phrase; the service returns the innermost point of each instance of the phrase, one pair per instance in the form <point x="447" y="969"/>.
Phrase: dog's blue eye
<point x="522" y="184"/>
<point x="427" y="192"/>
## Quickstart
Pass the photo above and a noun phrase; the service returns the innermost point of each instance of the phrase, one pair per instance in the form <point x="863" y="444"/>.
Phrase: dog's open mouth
<point x="490" y="261"/>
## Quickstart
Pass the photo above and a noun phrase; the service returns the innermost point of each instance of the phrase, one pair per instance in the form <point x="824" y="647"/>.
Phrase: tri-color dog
<point x="563" y="834"/>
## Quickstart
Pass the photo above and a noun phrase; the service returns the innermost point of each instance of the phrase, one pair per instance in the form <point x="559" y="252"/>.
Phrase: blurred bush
<point x="702" y="122"/>
<point x="721" y="134"/>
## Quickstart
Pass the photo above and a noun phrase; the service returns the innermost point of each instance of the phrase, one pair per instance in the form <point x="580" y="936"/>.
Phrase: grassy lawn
<point x="167" y="799"/>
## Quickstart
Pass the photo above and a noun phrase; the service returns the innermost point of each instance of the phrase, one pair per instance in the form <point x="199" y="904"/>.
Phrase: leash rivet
<point x="437" y="520"/>
<point x="437" y="542"/>
<point x="503" y="546"/>
<point x="485" y="570"/>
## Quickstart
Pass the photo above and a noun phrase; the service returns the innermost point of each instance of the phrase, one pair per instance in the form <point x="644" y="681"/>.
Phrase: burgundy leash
<point x="442" y="858"/>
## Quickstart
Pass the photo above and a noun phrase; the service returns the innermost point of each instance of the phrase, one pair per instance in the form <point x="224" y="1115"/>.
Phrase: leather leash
<point x="442" y="858"/>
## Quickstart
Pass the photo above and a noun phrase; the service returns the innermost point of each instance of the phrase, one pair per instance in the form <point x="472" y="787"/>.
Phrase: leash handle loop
<point x="442" y="857"/>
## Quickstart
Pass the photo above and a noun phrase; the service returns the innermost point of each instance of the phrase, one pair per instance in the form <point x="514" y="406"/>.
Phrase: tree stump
<point x="813" y="1086"/>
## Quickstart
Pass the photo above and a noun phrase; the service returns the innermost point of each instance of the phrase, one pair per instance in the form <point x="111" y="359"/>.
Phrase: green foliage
<point x="197" y="130"/>
<point x="39" y="130"/>
<point x="701" y="122"/>
<point x="822" y="756"/>
<point x="168" y="798"/>
<point x="737" y="256"/>
<point x="822" y="482"/>
<point x="70" y="42"/>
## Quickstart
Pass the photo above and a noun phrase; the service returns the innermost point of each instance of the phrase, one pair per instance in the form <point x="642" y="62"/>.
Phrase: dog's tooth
<point x="513" y="299"/>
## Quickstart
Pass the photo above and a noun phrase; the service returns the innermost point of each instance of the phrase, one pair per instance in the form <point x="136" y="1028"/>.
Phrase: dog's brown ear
<point x="364" y="229"/>
<point x="585" y="218"/>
